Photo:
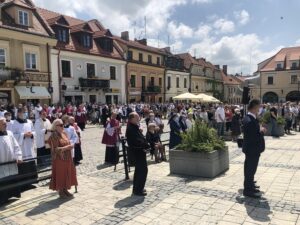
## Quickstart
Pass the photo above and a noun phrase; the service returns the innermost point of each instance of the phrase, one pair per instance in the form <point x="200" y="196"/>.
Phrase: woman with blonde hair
<point x="63" y="169"/>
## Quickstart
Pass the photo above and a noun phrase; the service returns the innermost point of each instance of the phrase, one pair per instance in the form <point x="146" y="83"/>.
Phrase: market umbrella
<point x="207" y="98"/>
<point x="185" y="96"/>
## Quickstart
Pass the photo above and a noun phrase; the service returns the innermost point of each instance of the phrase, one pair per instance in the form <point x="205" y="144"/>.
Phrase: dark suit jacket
<point x="254" y="142"/>
<point x="136" y="140"/>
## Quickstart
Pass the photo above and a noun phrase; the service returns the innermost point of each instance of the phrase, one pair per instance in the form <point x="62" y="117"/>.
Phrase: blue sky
<point x="239" y="33"/>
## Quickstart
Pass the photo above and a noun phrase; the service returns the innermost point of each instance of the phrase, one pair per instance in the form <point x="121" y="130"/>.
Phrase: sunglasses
<point x="59" y="125"/>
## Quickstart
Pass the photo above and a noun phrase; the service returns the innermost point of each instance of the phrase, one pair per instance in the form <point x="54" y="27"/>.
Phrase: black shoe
<point x="255" y="190"/>
<point x="140" y="194"/>
<point x="251" y="194"/>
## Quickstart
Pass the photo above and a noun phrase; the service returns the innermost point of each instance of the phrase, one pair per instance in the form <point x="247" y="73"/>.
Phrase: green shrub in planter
<point x="266" y="118"/>
<point x="201" y="138"/>
<point x="280" y="120"/>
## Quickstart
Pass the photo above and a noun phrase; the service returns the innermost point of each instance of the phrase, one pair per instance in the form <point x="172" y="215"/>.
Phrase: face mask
<point x="8" y="118"/>
<point x="25" y="115"/>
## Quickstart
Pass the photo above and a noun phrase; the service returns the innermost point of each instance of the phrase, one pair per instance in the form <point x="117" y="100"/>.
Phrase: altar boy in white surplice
<point x="23" y="131"/>
<point x="10" y="152"/>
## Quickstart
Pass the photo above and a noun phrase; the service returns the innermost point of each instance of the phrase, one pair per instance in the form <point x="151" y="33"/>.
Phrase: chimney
<point x="225" y="69"/>
<point x="143" y="41"/>
<point x="203" y="59"/>
<point x="217" y="66"/>
<point x="125" y="35"/>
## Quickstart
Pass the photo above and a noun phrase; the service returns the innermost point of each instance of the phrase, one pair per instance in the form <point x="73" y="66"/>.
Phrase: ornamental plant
<point x="201" y="138"/>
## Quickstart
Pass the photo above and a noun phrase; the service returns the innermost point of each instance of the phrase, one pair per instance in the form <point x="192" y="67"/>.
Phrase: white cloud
<point x="201" y="1"/>
<point x="242" y="17"/>
<point x="179" y="31"/>
<point x="224" y="26"/>
<point x="297" y="43"/>
<point x="241" y="52"/>
<point x="203" y="31"/>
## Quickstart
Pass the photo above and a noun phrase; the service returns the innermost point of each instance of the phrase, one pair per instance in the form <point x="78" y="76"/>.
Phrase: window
<point x="149" y="58"/>
<point x="158" y="61"/>
<point x="160" y="81"/>
<point x="66" y="68"/>
<point x="86" y="40"/>
<point x="90" y="70"/>
<point x="278" y="66"/>
<point x="132" y="81"/>
<point x="177" y="82"/>
<point x="62" y="36"/>
<point x="23" y="18"/>
<point x="185" y="82"/>
<point x="30" y="60"/>
<point x="169" y="82"/>
<point x="129" y="55"/>
<point x="143" y="83"/>
<point x="2" y="57"/>
<point x="294" y="65"/>
<point x="141" y="57"/>
<point x="112" y="73"/>
<point x="270" y="80"/>
<point x="294" y="79"/>
<point x="106" y="44"/>
<point x="152" y="81"/>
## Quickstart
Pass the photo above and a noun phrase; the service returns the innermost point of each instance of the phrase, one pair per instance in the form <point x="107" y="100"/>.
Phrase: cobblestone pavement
<point x="105" y="198"/>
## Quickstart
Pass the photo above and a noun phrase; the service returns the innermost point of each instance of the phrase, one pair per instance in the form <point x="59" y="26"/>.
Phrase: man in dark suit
<point x="138" y="144"/>
<point x="253" y="146"/>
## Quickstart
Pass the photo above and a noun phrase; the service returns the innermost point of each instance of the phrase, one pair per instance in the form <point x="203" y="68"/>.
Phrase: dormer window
<point x="106" y="44"/>
<point x="294" y="65"/>
<point x="278" y="66"/>
<point x="23" y="18"/>
<point x="62" y="35"/>
<point x="86" y="41"/>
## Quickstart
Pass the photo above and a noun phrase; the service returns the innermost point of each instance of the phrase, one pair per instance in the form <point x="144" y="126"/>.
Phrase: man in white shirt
<point x="220" y="118"/>
<point x="42" y="129"/>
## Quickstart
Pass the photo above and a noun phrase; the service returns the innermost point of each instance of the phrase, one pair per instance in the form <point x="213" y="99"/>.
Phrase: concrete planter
<point x="199" y="164"/>
<point x="279" y="130"/>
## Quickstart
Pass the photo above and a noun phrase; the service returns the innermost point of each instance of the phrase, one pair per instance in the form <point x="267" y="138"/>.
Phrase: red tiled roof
<point x="284" y="55"/>
<point x="47" y="14"/>
<point x="229" y="79"/>
<point x="137" y="45"/>
<point x="93" y="26"/>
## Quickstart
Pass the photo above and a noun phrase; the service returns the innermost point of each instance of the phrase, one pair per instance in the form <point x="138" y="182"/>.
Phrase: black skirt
<point x="112" y="155"/>
<point x="77" y="153"/>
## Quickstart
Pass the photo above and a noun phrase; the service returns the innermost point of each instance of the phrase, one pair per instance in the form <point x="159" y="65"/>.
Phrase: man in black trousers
<point x="253" y="146"/>
<point x="138" y="144"/>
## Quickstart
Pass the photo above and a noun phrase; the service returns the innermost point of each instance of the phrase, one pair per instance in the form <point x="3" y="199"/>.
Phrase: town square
<point x="149" y="112"/>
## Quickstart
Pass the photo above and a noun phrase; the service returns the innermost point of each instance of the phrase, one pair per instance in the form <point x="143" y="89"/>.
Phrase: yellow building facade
<point x="25" y="45"/>
<point x="145" y="70"/>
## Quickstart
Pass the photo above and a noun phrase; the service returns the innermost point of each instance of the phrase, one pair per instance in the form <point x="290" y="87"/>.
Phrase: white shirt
<point x="251" y="114"/>
<point x="220" y="115"/>
<point x="40" y="128"/>
<point x="26" y="144"/>
<point x="10" y="151"/>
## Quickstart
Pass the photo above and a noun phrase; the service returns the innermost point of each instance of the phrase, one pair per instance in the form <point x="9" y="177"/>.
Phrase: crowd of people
<point x="53" y="134"/>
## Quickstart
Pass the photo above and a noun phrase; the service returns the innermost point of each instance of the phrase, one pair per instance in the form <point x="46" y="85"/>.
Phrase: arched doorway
<point x="293" y="96"/>
<point x="270" y="97"/>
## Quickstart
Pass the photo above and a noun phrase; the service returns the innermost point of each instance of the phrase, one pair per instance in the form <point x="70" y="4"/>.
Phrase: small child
<point x="157" y="148"/>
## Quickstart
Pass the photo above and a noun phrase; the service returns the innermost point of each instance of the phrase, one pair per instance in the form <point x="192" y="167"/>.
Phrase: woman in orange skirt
<point x="63" y="169"/>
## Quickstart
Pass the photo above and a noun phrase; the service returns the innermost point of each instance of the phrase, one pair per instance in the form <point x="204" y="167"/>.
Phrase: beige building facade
<point x="25" y="45"/>
<point x="279" y="77"/>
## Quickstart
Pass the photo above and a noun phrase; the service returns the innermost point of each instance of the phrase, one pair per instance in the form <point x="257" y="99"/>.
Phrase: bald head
<point x="134" y="118"/>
